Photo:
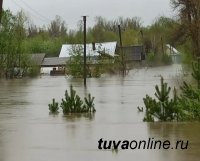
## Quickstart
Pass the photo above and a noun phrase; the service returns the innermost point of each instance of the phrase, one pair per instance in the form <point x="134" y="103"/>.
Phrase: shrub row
<point x="72" y="103"/>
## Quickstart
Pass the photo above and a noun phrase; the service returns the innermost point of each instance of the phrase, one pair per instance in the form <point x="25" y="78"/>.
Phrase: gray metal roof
<point x="37" y="58"/>
<point x="54" y="62"/>
<point x="107" y="47"/>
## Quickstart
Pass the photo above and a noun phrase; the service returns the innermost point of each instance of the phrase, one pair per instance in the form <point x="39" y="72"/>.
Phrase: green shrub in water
<point x="164" y="108"/>
<point x="53" y="107"/>
<point x="189" y="102"/>
<point x="73" y="103"/>
<point x="89" y="103"/>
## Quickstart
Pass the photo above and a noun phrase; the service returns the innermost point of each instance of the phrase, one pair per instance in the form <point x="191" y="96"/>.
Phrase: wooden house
<point x="132" y="53"/>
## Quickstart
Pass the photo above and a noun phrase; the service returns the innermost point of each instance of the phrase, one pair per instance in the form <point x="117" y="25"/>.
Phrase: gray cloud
<point x="41" y="12"/>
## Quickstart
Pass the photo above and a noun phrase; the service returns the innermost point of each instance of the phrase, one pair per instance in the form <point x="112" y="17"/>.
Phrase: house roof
<point x="173" y="51"/>
<point x="54" y="62"/>
<point x="106" y="47"/>
<point x="37" y="58"/>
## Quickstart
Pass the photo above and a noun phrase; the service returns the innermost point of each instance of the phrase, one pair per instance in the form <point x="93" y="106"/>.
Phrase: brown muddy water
<point x="29" y="133"/>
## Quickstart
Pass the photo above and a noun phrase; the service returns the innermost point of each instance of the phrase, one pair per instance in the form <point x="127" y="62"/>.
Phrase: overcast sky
<point x="43" y="11"/>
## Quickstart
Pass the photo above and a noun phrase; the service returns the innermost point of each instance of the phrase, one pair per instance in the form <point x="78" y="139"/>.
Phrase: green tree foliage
<point x="105" y="30"/>
<point x="75" y="64"/>
<point x="189" y="100"/>
<point x="74" y="104"/>
<point x="49" y="39"/>
<point x="12" y="35"/>
<point x="185" y="107"/>
<point x="196" y="71"/>
<point x="46" y="40"/>
<point x="164" y="108"/>
<point x="89" y="103"/>
<point x="158" y="34"/>
<point x="189" y="13"/>
<point x="131" y="36"/>
<point x="189" y="103"/>
<point x="53" y="107"/>
<point x="155" y="38"/>
<point x="57" y="28"/>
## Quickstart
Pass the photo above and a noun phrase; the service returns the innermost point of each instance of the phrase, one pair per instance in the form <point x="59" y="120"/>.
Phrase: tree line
<point x="19" y="37"/>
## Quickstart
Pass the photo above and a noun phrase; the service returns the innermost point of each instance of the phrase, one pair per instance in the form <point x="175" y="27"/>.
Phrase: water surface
<point x="29" y="133"/>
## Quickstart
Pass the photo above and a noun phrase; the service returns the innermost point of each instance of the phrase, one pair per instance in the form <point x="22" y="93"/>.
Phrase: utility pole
<point x="162" y="45"/>
<point x="120" y="35"/>
<point x="1" y="8"/>
<point x="122" y="53"/>
<point x="85" y="73"/>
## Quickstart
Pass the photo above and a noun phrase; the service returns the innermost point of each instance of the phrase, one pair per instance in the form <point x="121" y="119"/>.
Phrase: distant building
<point x="174" y="53"/>
<point x="54" y="62"/>
<point x="92" y="49"/>
<point x="133" y="53"/>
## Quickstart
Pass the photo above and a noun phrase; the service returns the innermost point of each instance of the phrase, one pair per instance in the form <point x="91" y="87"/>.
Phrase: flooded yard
<point x="29" y="133"/>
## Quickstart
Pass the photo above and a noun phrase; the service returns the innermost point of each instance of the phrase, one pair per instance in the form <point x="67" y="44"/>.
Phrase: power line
<point x="36" y="12"/>
<point x="32" y="14"/>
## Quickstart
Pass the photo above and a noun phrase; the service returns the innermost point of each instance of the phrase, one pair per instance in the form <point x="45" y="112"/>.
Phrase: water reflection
<point x="79" y="117"/>
<point x="175" y="132"/>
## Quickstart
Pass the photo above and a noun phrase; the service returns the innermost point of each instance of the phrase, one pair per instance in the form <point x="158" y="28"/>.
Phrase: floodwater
<point x="29" y="133"/>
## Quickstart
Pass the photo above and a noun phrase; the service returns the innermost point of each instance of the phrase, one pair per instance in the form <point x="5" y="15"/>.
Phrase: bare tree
<point x="32" y="30"/>
<point x="57" y="27"/>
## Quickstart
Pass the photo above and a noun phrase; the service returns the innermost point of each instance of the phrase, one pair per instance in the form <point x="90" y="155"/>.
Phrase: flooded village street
<point x="29" y="133"/>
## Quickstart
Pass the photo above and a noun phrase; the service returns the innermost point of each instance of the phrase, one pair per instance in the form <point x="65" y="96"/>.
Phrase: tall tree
<point x="12" y="34"/>
<point x="189" y="13"/>
<point x="1" y="4"/>
<point x="57" y="27"/>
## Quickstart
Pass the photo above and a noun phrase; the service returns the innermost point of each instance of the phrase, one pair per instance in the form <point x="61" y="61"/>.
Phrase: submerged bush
<point x="189" y="100"/>
<point x="189" y="103"/>
<point x="89" y="103"/>
<point x="164" y="108"/>
<point x="73" y="103"/>
<point x="185" y="107"/>
<point x="53" y="107"/>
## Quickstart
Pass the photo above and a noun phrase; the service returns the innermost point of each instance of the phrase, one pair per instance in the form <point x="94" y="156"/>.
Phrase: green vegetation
<point x="53" y="107"/>
<point x="14" y="61"/>
<point x="19" y="38"/>
<point x="189" y="100"/>
<point x="189" y="103"/>
<point x="196" y="71"/>
<point x="156" y="60"/>
<point x="185" y="107"/>
<point x="89" y="103"/>
<point x="104" y="63"/>
<point x="189" y="27"/>
<point x="164" y="108"/>
<point x="75" y="64"/>
<point x="72" y="103"/>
